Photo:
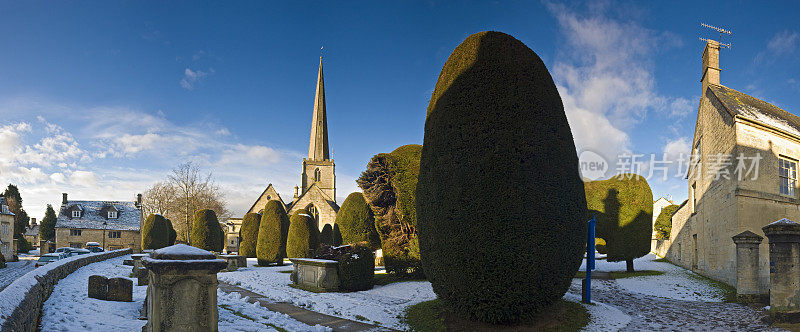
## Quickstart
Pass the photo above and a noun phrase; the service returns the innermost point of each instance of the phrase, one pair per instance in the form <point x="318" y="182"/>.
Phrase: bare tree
<point x="185" y="191"/>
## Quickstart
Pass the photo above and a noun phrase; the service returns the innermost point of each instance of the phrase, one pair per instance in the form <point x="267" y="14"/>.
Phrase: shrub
<point x="389" y="186"/>
<point x="496" y="124"/>
<point x="663" y="225"/>
<point x="206" y="231"/>
<point x="623" y="206"/>
<point x="2" y="261"/>
<point x="356" y="265"/>
<point x="248" y="234"/>
<point x="600" y="245"/>
<point x="303" y="236"/>
<point x="23" y="246"/>
<point x="47" y="230"/>
<point x="357" y="223"/>
<point x="326" y="236"/>
<point x="337" y="235"/>
<point x="155" y="232"/>
<point x="271" y="244"/>
<point x="173" y="235"/>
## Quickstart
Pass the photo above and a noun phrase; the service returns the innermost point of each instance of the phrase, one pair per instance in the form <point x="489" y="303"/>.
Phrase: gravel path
<point x="14" y="270"/>
<point x="649" y="313"/>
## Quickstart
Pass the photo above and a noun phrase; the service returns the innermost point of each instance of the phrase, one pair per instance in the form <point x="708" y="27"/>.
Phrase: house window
<point x="5" y="247"/>
<point x="693" y="193"/>
<point x="5" y="209"/>
<point x="787" y="174"/>
<point x="76" y="214"/>
<point x="114" y="234"/>
<point x="75" y="232"/>
<point x="112" y="214"/>
<point x="75" y="245"/>
<point x="5" y="228"/>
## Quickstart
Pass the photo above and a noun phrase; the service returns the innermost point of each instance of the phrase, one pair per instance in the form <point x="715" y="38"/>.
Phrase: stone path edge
<point x="303" y="315"/>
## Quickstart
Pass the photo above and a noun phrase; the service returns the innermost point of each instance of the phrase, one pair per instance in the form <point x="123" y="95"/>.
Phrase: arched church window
<point x="312" y="211"/>
<point x="317" y="175"/>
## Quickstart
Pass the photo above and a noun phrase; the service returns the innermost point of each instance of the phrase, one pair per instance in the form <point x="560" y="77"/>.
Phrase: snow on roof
<point x="94" y="214"/>
<point x="32" y="231"/>
<point x="783" y="221"/>
<point x="757" y="110"/>
<point x="5" y="210"/>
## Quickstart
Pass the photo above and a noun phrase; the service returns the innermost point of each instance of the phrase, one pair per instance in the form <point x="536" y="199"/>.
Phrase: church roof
<point x="751" y="108"/>
<point x="252" y="207"/>
<point x="318" y="143"/>
<point x="314" y="187"/>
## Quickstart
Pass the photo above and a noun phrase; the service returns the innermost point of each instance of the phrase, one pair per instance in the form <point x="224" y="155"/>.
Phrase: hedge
<point x="663" y="224"/>
<point x="303" y="236"/>
<point x="623" y="206"/>
<point x="248" y="234"/>
<point x="496" y="124"/>
<point x="326" y="235"/>
<point x="389" y="186"/>
<point x="271" y="244"/>
<point x="207" y="233"/>
<point x="155" y="232"/>
<point x="357" y="223"/>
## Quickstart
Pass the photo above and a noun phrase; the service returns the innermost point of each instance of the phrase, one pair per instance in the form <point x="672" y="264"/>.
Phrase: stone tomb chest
<point x="316" y="274"/>
<point x="182" y="294"/>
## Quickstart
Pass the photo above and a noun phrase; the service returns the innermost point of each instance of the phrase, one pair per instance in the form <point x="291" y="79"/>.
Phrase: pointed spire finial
<point x="318" y="142"/>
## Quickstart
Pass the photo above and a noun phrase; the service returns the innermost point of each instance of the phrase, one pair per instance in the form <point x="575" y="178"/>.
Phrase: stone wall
<point x="21" y="302"/>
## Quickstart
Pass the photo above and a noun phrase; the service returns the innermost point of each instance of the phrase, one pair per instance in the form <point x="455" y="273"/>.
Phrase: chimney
<point x="294" y="199"/>
<point x="63" y="198"/>
<point x="711" y="68"/>
<point x="138" y="200"/>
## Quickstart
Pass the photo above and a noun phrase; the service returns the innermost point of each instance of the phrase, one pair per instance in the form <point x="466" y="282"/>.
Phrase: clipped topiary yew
<point x="326" y="235"/>
<point x="357" y="223"/>
<point x="623" y="206"/>
<point x="173" y="235"/>
<point x="337" y="235"/>
<point x="207" y="233"/>
<point x="303" y="235"/>
<point x="496" y="124"/>
<point x="271" y="244"/>
<point x="663" y="224"/>
<point x="155" y="232"/>
<point x="248" y="234"/>
<point x="389" y="186"/>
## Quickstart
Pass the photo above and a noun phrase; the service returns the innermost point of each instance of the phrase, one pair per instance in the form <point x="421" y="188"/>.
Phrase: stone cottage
<point x="114" y="224"/>
<point x="7" y="247"/>
<point x="658" y="205"/>
<point x="742" y="176"/>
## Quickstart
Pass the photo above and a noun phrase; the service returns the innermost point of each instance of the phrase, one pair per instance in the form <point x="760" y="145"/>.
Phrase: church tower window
<point x="317" y="175"/>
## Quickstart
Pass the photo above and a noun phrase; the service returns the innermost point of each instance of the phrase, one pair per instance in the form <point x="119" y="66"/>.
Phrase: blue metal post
<point x="589" y="259"/>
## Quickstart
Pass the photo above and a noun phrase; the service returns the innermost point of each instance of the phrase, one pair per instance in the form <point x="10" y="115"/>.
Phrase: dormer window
<point x="76" y="213"/>
<point x="112" y="214"/>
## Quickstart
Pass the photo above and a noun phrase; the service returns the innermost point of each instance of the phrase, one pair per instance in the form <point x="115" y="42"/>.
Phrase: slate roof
<point x="32" y="231"/>
<point x="755" y="109"/>
<point x="93" y="215"/>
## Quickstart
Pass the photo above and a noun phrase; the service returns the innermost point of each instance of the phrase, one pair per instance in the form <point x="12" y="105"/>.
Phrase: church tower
<point x="318" y="168"/>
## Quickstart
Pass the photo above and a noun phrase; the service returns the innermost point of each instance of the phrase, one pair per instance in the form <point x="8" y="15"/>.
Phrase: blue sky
<point x="101" y="99"/>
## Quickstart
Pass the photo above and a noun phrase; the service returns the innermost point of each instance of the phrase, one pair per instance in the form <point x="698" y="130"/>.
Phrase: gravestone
<point x="784" y="270"/>
<point x="182" y="294"/>
<point x="747" y="267"/>
<point x="234" y="262"/>
<point x="318" y="274"/>
<point x="98" y="287"/>
<point x="141" y="275"/>
<point x="120" y="289"/>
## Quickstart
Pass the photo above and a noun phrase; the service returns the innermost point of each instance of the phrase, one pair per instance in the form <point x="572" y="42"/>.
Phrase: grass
<point x="308" y="288"/>
<point x="289" y="271"/>
<point x="662" y="260"/>
<point x="728" y="291"/>
<point x="431" y="316"/>
<point x="388" y="278"/>
<point x="240" y="314"/>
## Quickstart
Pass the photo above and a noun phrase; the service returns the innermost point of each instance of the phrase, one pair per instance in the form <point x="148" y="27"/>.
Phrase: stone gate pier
<point x="182" y="294"/>
<point x="747" y="267"/>
<point x="784" y="270"/>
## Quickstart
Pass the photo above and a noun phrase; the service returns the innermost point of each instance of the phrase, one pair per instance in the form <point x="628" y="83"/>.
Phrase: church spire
<point x="318" y="144"/>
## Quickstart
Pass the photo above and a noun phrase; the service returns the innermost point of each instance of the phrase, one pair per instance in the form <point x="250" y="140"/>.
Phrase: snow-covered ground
<point x="676" y="282"/>
<point x="602" y="317"/>
<point x="14" y="270"/>
<point x="382" y="305"/>
<point x="69" y="308"/>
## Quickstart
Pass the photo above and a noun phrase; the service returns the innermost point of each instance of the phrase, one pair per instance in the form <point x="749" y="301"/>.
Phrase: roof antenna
<point x="721" y="31"/>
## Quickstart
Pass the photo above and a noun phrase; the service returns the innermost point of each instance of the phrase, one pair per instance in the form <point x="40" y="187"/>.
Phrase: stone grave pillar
<point x="784" y="270"/>
<point x="747" y="266"/>
<point x="182" y="294"/>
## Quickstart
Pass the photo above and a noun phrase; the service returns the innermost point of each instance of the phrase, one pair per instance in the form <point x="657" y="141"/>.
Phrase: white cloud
<point x="782" y="43"/>
<point x="83" y="179"/>
<point x="190" y="78"/>
<point x="604" y="73"/>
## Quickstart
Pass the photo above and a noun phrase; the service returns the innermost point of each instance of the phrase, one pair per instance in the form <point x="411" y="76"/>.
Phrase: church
<point x="317" y="193"/>
<point x="742" y="176"/>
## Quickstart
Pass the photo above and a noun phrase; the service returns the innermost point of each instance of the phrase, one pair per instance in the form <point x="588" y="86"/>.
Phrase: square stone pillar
<point x="784" y="270"/>
<point x="182" y="290"/>
<point x="747" y="267"/>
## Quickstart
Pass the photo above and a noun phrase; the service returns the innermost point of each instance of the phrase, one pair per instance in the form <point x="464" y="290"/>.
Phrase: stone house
<point x="317" y="194"/>
<point x="658" y="205"/>
<point x="7" y="247"/>
<point x="742" y="176"/>
<point x="32" y="233"/>
<point x="232" y="227"/>
<point x="114" y="224"/>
